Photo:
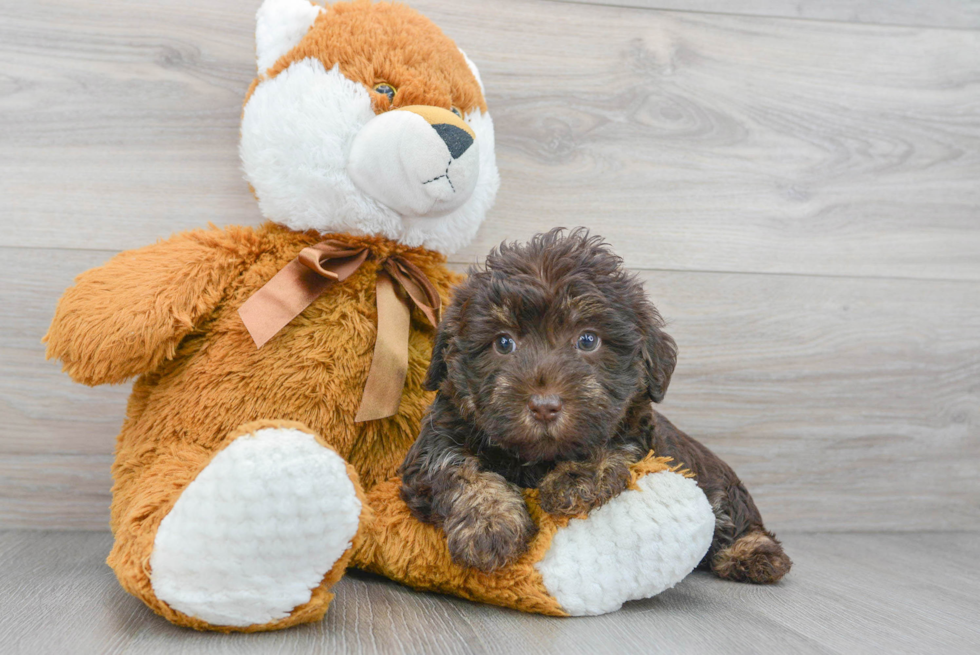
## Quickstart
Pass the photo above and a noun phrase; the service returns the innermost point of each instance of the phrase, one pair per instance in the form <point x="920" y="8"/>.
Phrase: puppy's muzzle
<point x="544" y="409"/>
<point x="420" y="161"/>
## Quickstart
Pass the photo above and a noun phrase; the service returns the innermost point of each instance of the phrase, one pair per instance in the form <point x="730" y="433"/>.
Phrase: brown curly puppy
<point x="546" y="365"/>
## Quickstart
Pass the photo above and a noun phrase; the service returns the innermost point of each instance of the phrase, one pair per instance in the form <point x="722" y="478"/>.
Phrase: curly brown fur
<point x="487" y="523"/>
<point x="756" y="557"/>
<point x="575" y="487"/>
<point x="544" y="295"/>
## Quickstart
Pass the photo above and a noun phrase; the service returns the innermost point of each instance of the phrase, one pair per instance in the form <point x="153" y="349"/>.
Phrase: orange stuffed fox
<point x="281" y="368"/>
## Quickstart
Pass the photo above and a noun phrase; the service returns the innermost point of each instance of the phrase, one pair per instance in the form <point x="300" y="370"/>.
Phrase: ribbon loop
<point x="332" y="259"/>
<point x="418" y="287"/>
<point x="324" y="264"/>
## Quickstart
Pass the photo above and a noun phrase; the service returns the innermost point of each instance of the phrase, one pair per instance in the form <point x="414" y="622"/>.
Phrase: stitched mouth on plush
<point x="419" y="161"/>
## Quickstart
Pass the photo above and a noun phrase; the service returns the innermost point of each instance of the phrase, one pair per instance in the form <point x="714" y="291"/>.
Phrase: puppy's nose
<point x="544" y="408"/>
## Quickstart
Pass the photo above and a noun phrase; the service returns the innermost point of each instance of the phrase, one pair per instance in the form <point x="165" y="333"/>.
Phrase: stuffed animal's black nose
<point x="545" y="408"/>
<point x="456" y="139"/>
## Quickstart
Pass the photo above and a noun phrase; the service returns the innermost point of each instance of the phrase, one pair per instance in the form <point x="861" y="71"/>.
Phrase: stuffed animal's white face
<point x="349" y="131"/>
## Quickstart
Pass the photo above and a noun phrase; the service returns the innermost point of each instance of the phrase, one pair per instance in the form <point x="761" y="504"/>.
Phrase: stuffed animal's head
<point x="366" y="118"/>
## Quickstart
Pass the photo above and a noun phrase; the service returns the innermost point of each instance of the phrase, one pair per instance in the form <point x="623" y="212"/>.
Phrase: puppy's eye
<point x="386" y="90"/>
<point x="456" y="111"/>
<point x="587" y="341"/>
<point x="504" y="344"/>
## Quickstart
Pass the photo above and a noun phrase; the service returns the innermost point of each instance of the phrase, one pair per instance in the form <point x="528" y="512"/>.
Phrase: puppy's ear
<point x="659" y="359"/>
<point x="449" y="328"/>
<point x="437" y="366"/>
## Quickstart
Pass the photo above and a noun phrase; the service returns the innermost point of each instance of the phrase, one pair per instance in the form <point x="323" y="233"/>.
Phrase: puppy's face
<point x="547" y="348"/>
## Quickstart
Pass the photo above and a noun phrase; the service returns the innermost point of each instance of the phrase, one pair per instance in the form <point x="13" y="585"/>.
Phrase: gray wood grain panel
<point x="844" y="403"/>
<point x="956" y="14"/>
<point x="856" y="593"/>
<point x="41" y="409"/>
<point x="697" y="141"/>
<point x="55" y="492"/>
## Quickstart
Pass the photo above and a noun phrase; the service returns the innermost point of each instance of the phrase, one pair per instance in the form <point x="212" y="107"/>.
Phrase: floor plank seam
<point x="652" y="269"/>
<point x="798" y="19"/>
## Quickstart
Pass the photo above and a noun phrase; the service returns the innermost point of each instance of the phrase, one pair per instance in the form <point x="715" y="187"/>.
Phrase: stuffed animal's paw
<point x="489" y="526"/>
<point x="576" y="488"/>
<point x="259" y="534"/>
<point x="641" y="542"/>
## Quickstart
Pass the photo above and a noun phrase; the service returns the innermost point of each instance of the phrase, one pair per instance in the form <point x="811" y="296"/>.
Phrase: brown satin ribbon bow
<point x="320" y="266"/>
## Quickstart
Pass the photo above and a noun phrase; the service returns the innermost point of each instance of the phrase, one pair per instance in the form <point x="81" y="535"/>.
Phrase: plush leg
<point x="640" y="543"/>
<point x="249" y="536"/>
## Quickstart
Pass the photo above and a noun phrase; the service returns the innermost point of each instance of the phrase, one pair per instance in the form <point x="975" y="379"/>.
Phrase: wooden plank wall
<point x="798" y="183"/>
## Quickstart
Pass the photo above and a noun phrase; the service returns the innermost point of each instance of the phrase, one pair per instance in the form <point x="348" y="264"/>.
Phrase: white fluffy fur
<point x="642" y="542"/>
<point x="456" y="230"/>
<point x="297" y="133"/>
<point x="474" y="70"/>
<point x="400" y="161"/>
<point x="252" y="536"/>
<point x="279" y="26"/>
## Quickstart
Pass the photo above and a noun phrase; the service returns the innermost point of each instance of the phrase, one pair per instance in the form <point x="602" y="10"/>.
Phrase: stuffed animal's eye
<point x="587" y="341"/>
<point x="456" y="111"/>
<point x="504" y="344"/>
<point x="386" y="90"/>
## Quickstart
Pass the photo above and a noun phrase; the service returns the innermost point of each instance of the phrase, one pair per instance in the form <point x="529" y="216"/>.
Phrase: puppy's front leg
<point x="485" y="519"/>
<point x="576" y="487"/>
<point x="487" y="524"/>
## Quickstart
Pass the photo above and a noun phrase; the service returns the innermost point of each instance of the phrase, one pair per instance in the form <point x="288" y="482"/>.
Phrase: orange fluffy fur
<point x="389" y="43"/>
<point x="168" y="312"/>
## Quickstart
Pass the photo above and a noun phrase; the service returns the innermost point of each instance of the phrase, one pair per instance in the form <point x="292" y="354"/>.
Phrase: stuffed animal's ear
<point x="659" y="359"/>
<point x="474" y="70"/>
<point x="279" y="26"/>
<point x="437" y="366"/>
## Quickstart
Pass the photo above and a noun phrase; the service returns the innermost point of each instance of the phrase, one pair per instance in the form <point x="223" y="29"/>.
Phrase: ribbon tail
<point x="296" y="286"/>
<point x="282" y="299"/>
<point x="389" y="365"/>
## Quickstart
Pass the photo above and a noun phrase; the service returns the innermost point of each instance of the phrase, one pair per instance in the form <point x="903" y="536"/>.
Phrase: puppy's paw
<point x="756" y="557"/>
<point x="489" y="526"/>
<point x="575" y="488"/>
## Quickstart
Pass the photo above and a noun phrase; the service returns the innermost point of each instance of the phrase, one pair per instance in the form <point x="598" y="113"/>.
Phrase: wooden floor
<point x="848" y="593"/>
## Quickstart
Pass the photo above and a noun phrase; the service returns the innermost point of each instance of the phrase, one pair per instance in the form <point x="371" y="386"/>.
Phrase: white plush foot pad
<point x="252" y="536"/>
<point x="635" y="546"/>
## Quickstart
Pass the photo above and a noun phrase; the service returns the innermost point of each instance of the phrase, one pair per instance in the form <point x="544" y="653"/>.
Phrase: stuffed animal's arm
<point x="128" y="316"/>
